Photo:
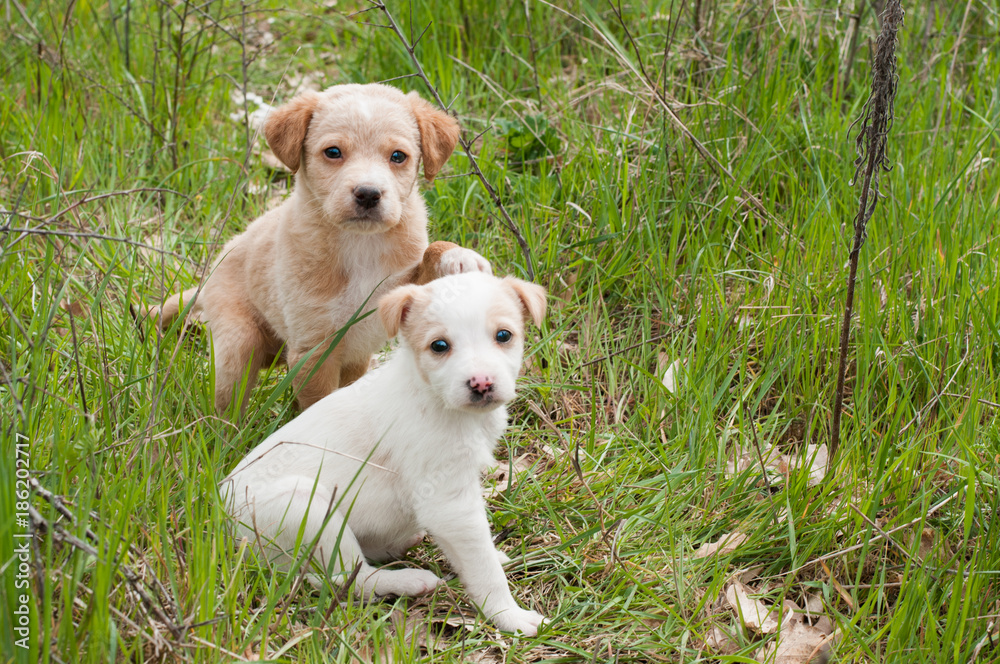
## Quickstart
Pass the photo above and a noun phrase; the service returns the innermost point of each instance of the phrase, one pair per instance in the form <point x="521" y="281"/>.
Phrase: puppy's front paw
<point x="402" y="582"/>
<point x="519" y="620"/>
<point x="460" y="259"/>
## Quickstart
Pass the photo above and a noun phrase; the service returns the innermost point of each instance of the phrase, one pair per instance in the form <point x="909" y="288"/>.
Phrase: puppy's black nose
<point x="367" y="197"/>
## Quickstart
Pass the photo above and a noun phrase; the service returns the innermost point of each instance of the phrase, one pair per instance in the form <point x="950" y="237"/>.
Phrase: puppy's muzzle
<point x="367" y="197"/>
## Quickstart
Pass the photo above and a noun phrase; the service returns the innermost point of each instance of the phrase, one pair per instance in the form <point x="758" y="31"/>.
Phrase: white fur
<point x="426" y="439"/>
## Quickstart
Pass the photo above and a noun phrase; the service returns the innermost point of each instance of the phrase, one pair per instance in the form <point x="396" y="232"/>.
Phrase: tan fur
<point x="394" y="306"/>
<point x="430" y="265"/>
<point x="301" y="271"/>
<point x="351" y="372"/>
<point x="286" y="128"/>
<point x="532" y="297"/>
<point x="439" y="135"/>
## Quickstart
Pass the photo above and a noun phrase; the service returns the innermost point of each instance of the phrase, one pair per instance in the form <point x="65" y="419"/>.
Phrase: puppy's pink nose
<point x="482" y="384"/>
<point x="367" y="197"/>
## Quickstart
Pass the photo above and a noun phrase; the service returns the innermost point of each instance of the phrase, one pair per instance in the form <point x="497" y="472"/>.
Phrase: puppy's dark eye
<point x="440" y="346"/>
<point x="503" y="336"/>
<point x="397" y="157"/>
<point x="332" y="153"/>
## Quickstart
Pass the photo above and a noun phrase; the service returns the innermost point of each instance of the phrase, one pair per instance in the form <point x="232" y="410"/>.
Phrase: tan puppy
<point x="355" y="226"/>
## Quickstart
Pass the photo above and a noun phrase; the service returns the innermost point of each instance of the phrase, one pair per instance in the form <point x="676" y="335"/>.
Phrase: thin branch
<point x="130" y="576"/>
<point x="344" y="589"/>
<point x="876" y="538"/>
<point x="76" y="360"/>
<point x="717" y="167"/>
<point x="658" y="337"/>
<point x="91" y="199"/>
<point x="91" y="236"/>
<point x="885" y="535"/>
<point x="987" y="638"/>
<point x="888" y="538"/>
<point x="466" y="145"/>
<point x="991" y="404"/>
<point x="871" y="143"/>
<point x="533" y="52"/>
<point x="938" y="394"/>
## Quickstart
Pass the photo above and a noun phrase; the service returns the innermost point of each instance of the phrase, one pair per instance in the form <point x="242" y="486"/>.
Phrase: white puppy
<point x="369" y="468"/>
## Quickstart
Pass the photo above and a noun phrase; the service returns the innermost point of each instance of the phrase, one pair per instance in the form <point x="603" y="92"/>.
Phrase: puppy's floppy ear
<point x="532" y="298"/>
<point x="438" y="134"/>
<point x="395" y="305"/>
<point x="286" y="128"/>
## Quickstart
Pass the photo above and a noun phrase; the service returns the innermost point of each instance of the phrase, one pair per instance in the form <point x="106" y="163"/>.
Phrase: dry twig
<point x="154" y="606"/>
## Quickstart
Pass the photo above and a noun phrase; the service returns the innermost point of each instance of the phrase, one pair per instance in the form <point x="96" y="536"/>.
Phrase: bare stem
<point x="717" y="167"/>
<point x="466" y="145"/>
<point x="871" y="143"/>
<point x="845" y="328"/>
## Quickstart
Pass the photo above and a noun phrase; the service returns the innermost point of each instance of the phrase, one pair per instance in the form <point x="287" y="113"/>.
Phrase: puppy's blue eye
<point x="397" y="157"/>
<point x="440" y="346"/>
<point x="503" y="336"/>
<point x="332" y="153"/>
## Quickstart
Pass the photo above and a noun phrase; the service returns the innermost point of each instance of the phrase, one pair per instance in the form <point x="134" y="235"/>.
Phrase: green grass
<point x="647" y="252"/>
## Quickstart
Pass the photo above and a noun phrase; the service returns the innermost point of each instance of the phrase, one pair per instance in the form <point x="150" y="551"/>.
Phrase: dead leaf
<point x="741" y="463"/>
<point x="749" y="574"/>
<point x="768" y="284"/>
<point x="814" y="604"/>
<point x="791" y="611"/>
<point x="569" y="350"/>
<point x="926" y="543"/>
<point x="824" y="625"/>
<point x="498" y="481"/>
<point x="798" y="643"/>
<point x="672" y="376"/>
<point x="929" y="542"/>
<point x="720" y="642"/>
<point x="425" y="633"/>
<point x="568" y="286"/>
<point x="726" y="544"/>
<point x="753" y="613"/>
<point x="548" y="451"/>
<point x="416" y="629"/>
<point x="150" y="244"/>
<point x="458" y="620"/>
<point x="815" y="458"/>
<point x="491" y="655"/>
<point x="74" y="308"/>
<point x="747" y="458"/>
